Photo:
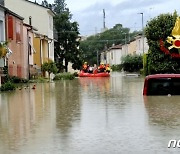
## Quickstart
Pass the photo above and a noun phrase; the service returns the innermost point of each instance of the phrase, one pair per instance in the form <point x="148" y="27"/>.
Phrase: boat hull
<point x="103" y="74"/>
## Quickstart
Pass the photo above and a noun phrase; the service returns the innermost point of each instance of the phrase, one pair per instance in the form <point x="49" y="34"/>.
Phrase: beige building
<point x="113" y="55"/>
<point x="132" y="47"/>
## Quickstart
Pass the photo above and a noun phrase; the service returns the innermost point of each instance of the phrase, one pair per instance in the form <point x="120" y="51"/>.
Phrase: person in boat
<point x="107" y="68"/>
<point x="85" y="67"/>
<point x="101" y="68"/>
<point x="90" y="69"/>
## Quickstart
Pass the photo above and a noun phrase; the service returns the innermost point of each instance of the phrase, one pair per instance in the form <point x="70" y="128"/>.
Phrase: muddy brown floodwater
<point x="88" y="116"/>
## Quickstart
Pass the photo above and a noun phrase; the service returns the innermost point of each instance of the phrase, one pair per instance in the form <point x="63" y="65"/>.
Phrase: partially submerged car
<point x="162" y="84"/>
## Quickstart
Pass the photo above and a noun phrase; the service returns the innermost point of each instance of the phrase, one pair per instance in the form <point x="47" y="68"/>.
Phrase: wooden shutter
<point x="10" y="27"/>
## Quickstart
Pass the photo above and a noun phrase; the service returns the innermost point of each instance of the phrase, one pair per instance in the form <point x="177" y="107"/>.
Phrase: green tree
<point x="45" y="3"/>
<point x="159" y="28"/>
<point x="50" y="67"/>
<point x="66" y="47"/>
<point x="99" y="42"/>
<point x="132" y="63"/>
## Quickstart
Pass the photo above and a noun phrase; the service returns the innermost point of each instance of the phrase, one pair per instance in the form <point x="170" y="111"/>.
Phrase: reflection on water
<point x="88" y="115"/>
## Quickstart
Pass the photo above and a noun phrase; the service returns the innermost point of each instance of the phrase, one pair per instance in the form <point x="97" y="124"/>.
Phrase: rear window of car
<point x="164" y="86"/>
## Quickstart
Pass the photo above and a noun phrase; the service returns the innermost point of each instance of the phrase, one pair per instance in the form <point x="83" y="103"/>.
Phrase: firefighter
<point x="85" y="67"/>
<point x="107" y="68"/>
<point x="101" y="68"/>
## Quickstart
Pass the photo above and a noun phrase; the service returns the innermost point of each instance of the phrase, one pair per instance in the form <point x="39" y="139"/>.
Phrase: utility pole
<point x="104" y="22"/>
<point x="142" y="31"/>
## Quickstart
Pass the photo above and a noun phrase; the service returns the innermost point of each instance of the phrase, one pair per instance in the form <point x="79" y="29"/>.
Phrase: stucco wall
<point x="15" y="63"/>
<point x="2" y="25"/>
<point x="40" y="15"/>
<point x="41" y="18"/>
<point x="132" y="47"/>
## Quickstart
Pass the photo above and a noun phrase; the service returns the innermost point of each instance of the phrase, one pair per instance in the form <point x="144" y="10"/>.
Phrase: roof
<point x="116" y="47"/>
<point x="156" y="76"/>
<point x="35" y="3"/>
<point x="10" y="12"/>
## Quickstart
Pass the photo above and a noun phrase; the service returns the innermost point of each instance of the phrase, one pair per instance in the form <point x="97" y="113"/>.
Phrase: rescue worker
<point x="107" y="68"/>
<point x="101" y="68"/>
<point x="85" y="67"/>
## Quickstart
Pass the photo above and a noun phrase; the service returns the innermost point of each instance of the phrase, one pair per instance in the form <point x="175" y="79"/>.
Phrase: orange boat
<point x="102" y="74"/>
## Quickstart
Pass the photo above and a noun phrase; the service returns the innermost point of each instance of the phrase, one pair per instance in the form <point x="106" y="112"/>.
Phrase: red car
<point x="162" y="84"/>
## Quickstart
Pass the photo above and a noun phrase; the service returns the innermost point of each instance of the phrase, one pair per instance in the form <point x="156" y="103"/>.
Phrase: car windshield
<point x="164" y="86"/>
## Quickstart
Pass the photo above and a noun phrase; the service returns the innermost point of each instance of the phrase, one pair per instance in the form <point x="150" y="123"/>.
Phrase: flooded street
<point x="88" y="115"/>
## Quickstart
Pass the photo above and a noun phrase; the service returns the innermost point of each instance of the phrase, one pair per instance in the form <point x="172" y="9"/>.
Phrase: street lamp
<point x="142" y="30"/>
<point x="125" y="43"/>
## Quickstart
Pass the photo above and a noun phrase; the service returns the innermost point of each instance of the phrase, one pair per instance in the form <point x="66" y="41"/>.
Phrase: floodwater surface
<point x="88" y="116"/>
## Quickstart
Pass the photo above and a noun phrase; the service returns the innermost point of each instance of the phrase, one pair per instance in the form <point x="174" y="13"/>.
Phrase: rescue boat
<point x="95" y="74"/>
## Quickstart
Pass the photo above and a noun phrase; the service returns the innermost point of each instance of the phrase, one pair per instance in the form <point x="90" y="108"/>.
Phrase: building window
<point x="29" y="46"/>
<point x="10" y="27"/>
<point x="1" y="31"/>
<point x="18" y="28"/>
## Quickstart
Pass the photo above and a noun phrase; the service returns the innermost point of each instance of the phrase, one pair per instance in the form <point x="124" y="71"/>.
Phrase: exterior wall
<point x="37" y="55"/>
<point x="44" y="51"/>
<point x="112" y="56"/>
<point x="139" y="45"/>
<point x="124" y="50"/>
<point x="116" y="56"/>
<point x="2" y="25"/>
<point x="15" y="63"/>
<point x="132" y="48"/>
<point x="27" y="60"/>
<point x="41" y="18"/>
<point x="2" y="32"/>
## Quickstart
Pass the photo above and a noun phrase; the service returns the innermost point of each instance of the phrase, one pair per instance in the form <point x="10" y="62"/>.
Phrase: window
<point x="18" y="34"/>
<point x="1" y="31"/>
<point x="29" y="46"/>
<point x="164" y="86"/>
<point x="10" y="27"/>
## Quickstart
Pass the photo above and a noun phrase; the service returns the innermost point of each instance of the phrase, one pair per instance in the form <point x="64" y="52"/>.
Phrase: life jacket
<point x="85" y="67"/>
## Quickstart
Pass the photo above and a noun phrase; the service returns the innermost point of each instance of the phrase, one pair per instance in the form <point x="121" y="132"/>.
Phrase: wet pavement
<point x="88" y="116"/>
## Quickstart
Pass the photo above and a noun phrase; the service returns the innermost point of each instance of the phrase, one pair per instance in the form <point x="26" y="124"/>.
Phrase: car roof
<point x="156" y="76"/>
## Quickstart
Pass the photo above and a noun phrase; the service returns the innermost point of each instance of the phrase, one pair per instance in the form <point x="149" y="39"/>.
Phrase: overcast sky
<point x="89" y="13"/>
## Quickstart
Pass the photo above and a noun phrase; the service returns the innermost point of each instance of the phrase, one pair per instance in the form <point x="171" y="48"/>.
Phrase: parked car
<point x="162" y="84"/>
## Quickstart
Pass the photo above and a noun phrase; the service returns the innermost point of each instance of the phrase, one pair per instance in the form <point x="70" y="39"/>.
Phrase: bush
<point x="8" y="86"/>
<point x="116" y="67"/>
<point x="75" y="74"/>
<point x="64" y="76"/>
<point x="132" y="63"/>
<point x="159" y="28"/>
<point x="14" y="79"/>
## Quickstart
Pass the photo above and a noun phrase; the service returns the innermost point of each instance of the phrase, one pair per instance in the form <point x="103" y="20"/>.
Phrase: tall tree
<point x="162" y="59"/>
<point x="95" y="44"/>
<point x="66" y="47"/>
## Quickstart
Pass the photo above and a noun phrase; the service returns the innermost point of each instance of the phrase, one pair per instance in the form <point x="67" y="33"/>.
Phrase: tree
<point x="3" y="49"/>
<point x="101" y="41"/>
<point x="159" y="28"/>
<point x="45" y="3"/>
<point x="50" y="67"/>
<point x="66" y="47"/>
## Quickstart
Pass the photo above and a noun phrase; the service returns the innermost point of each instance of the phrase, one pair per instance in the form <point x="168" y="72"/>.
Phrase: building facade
<point x="2" y="31"/>
<point x="14" y="35"/>
<point x="114" y="54"/>
<point x="40" y="18"/>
